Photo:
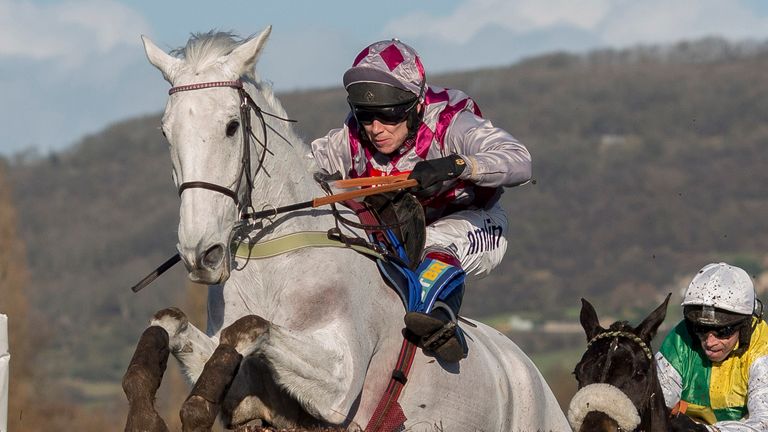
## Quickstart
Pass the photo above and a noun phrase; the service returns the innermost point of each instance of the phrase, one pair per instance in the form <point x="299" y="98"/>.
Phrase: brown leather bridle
<point x="244" y="205"/>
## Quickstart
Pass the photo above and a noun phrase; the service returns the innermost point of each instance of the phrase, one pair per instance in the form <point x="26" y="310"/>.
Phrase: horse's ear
<point x="167" y="64"/>
<point x="243" y="58"/>
<point x="647" y="329"/>
<point x="589" y="320"/>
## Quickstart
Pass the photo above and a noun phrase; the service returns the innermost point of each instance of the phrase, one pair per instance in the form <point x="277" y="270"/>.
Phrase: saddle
<point x="399" y="227"/>
<point x="401" y="213"/>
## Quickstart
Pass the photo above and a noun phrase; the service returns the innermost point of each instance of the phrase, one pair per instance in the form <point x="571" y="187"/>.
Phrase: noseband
<point x="246" y="105"/>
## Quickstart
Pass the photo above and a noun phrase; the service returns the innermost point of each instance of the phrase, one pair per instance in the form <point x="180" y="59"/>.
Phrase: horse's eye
<point x="232" y="128"/>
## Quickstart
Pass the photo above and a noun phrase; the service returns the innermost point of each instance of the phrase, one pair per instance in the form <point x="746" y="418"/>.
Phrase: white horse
<point x="311" y="336"/>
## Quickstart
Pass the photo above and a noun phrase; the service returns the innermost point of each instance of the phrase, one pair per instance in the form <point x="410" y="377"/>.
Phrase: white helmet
<point x="724" y="293"/>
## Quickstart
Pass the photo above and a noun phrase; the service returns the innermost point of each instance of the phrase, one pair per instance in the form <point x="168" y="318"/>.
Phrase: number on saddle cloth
<point x="419" y="284"/>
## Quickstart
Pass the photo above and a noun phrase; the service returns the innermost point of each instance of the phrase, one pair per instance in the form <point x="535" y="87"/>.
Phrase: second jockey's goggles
<point x="720" y="332"/>
<point x="388" y="115"/>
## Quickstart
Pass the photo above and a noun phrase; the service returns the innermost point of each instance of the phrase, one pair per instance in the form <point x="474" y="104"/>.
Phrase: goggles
<point x="720" y="332"/>
<point x="388" y="115"/>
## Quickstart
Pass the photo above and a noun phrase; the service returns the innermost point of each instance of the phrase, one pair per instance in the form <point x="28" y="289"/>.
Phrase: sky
<point x="70" y="68"/>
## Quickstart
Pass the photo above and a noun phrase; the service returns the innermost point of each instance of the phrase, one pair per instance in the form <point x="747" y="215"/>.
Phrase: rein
<point x="245" y="208"/>
<point x="247" y="105"/>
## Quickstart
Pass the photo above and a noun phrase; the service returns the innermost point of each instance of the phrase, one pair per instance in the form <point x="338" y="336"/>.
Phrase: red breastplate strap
<point x="389" y="415"/>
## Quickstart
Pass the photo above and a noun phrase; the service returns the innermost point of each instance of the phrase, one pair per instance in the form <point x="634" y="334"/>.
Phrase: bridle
<point x="615" y="335"/>
<point x="627" y="335"/>
<point x="247" y="104"/>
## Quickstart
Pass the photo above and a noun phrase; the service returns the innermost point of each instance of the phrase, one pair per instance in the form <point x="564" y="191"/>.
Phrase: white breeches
<point x="477" y="237"/>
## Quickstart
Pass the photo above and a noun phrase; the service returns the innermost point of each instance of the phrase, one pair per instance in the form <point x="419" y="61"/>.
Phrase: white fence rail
<point x="4" y="359"/>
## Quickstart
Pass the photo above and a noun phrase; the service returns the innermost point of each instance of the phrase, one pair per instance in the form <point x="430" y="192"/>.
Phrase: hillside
<point x="648" y="163"/>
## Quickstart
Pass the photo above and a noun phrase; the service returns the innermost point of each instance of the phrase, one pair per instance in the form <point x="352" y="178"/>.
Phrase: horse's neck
<point x="287" y="174"/>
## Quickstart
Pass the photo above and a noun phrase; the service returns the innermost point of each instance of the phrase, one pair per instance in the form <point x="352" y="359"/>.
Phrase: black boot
<point x="437" y="331"/>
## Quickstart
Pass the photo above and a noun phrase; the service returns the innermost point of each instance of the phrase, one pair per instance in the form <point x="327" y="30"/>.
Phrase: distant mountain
<point x="648" y="163"/>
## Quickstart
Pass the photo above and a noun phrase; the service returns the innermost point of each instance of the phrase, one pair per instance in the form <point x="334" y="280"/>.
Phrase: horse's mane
<point x="620" y="326"/>
<point x="202" y="49"/>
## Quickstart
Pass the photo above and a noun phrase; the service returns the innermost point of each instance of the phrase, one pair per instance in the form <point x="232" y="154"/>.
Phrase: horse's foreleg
<point x="311" y="377"/>
<point x="142" y="379"/>
<point x="311" y="368"/>
<point x="191" y="346"/>
<point x="201" y="407"/>
<point x="169" y="332"/>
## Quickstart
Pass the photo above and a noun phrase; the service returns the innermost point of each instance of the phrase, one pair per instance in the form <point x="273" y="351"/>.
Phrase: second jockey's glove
<point x="683" y="423"/>
<point x="432" y="173"/>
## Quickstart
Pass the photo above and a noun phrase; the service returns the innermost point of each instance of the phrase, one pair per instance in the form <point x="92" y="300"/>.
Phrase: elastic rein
<point x="247" y="104"/>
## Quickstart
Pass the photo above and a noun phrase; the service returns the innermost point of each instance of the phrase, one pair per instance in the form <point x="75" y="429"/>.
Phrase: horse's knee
<point x="244" y="332"/>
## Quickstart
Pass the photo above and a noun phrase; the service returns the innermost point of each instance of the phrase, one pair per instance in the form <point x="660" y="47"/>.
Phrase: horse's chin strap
<point x="247" y="104"/>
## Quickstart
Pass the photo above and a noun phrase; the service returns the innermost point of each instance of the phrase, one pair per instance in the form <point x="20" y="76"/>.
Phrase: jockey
<point x="399" y="124"/>
<point x="714" y="364"/>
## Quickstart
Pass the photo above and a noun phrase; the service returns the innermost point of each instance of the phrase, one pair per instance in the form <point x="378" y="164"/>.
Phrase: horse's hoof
<point x="145" y="421"/>
<point x="198" y="414"/>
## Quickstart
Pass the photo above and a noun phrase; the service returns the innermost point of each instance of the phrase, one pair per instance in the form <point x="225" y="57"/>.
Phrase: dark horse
<point x="618" y="386"/>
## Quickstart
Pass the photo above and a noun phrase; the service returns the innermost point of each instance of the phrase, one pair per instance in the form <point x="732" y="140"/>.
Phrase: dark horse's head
<point x="618" y="386"/>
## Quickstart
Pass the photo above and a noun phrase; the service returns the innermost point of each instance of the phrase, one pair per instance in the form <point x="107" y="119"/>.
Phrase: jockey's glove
<point x="433" y="172"/>
<point x="683" y="423"/>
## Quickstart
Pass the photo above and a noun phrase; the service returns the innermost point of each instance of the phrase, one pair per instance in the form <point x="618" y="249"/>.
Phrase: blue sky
<point x="70" y="68"/>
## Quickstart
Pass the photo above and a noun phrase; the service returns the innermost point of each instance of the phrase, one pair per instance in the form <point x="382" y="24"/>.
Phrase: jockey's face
<point x="717" y="348"/>
<point x="385" y="137"/>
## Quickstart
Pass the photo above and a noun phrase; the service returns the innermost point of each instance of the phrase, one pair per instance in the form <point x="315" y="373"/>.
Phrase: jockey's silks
<point x="714" y="391"/>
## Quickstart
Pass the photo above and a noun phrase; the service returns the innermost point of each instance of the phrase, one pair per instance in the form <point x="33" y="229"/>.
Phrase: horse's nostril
<point x="213" y="256"/>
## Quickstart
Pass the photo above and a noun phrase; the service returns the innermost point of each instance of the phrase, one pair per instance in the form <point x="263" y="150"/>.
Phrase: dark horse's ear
<point x="647" y="329"/>
<point x="589" y="320"/>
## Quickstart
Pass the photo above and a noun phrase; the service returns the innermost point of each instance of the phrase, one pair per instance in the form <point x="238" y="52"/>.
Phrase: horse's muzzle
<point x="209" y="266"/>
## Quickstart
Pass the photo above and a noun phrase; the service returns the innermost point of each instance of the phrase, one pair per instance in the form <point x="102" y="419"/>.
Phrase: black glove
<point x="432" y="173"/>
<point x="683" y="423"/>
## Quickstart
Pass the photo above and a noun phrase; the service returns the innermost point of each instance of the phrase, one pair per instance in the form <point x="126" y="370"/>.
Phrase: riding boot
<point x="438" y="331"/>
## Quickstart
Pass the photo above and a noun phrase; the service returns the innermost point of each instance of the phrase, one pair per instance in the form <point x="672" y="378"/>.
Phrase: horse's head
<point x="206" y="124"/>
<point x="617" y="373"/>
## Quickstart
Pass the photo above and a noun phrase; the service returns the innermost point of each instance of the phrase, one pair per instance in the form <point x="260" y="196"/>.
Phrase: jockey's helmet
<point x="386" y="82"/>
<point x="719" y="295"/>
<point x="385" y="73"/>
